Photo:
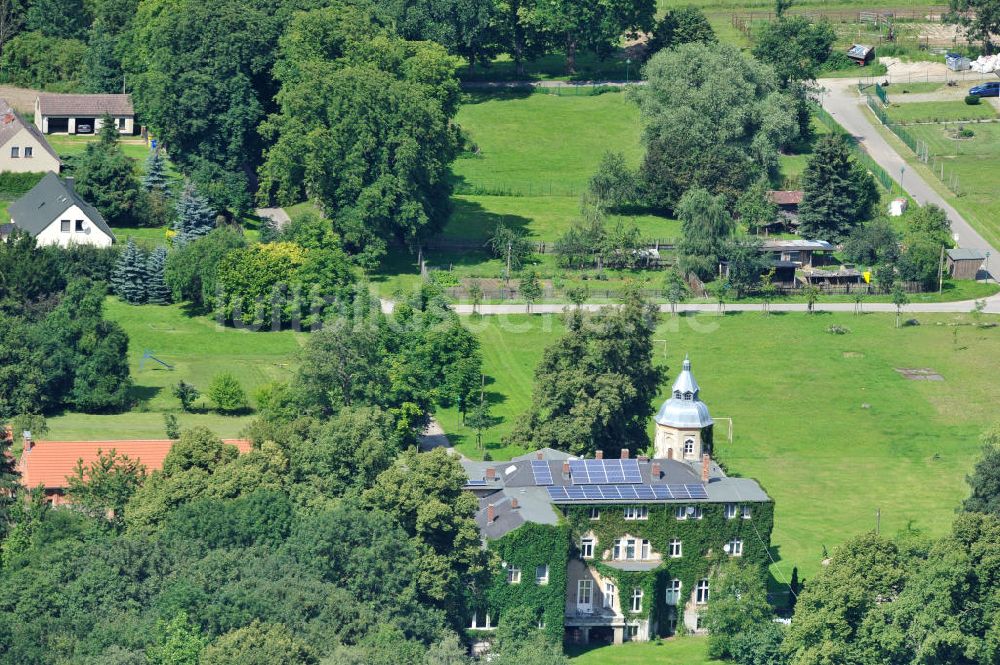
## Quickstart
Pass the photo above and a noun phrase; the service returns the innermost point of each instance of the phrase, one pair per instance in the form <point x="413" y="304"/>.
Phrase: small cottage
<point x="964" y="263"/>
<point x="23" y="149"/>
<point x="55" y="214"/>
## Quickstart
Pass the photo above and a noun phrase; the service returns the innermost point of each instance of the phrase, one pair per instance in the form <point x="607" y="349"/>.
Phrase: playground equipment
<point x="148" y="355"/>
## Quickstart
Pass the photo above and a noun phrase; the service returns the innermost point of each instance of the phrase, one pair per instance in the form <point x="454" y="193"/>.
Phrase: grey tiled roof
<point x="86" y="105"/>
<point x="43" y="204"/>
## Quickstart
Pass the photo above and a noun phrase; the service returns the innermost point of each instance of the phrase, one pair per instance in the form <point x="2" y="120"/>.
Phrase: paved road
<point x="843" y="102"/>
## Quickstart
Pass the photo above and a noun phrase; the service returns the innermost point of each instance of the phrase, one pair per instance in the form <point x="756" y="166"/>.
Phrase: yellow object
<point x="868" y="276"/>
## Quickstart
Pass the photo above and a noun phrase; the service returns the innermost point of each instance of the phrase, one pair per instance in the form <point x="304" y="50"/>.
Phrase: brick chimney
<point x="670" y="453"/>
<point x="491" y="514"/>
<point x="706" y="465"/>
<point x="624" y="453"/>
<point x="29" y="442"/>
<point x="599" y="454"/>
<point x="491" y="473"/>
<point x="565" y="469"/>
<point x="539" y="456"/>
<point x="643" y="458"/>
<point x="654" y="471"/>
<point x="514" y="505"/>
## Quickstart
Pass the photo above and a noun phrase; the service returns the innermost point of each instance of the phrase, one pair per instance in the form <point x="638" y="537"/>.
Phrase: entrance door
<point x="585" y="596"/>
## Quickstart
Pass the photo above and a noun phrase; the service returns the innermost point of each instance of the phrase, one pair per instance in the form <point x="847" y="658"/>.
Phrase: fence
<point x="744" y="22"/>
<point x="540" y="247"/>
<point x="920" y="148"/>
<point x="879" y="173"/>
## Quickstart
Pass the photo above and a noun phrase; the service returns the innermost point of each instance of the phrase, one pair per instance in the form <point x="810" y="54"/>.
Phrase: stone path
<point x="279" y="215"/>
<point x="434" y="437"/>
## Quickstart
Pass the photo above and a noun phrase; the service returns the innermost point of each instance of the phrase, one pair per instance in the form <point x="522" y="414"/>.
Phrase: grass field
<point x="912" y="112"/>
<point x="534" y="144"/>
<point x="974" y="161"/>
<point x="680" y="651"/>
<point x="75" y="145"/>
<point x="824" y="421"/>
<point x="198" y="350"/>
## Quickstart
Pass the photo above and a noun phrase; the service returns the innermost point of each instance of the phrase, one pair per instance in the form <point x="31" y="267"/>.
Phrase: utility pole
<point x="941" y="271"/>
<point x="878" y="520"/>
<point x="510" y="245"/>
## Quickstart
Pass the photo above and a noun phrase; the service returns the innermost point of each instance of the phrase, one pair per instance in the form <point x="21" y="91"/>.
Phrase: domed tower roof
<point x="684" y="408"/>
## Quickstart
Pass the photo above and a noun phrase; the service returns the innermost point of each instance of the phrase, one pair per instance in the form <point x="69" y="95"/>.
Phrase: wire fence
<point x="880" y="174"/>
<point x="920" y="148"/>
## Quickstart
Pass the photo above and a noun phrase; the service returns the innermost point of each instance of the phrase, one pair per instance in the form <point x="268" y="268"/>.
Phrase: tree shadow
<point x="140" y="394"/>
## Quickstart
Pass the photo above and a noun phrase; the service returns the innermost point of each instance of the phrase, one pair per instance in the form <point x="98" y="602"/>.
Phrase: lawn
<point x="198" y="350"/>
<point x="68" y="145"/>
<point x="824" y="421"/>
<point x="911" y="112"/>
<point x="679" y="651"/>
<point x="534" y="144"/>
<point x="976" y="164"/>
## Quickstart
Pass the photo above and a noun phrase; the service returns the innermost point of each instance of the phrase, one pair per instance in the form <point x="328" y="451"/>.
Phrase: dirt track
<point x="22" y="99"/>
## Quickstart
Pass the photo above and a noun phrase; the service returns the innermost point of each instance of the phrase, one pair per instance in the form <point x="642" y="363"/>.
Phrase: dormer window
<point x="677" y="394"/>
<point x="688" y="396"/>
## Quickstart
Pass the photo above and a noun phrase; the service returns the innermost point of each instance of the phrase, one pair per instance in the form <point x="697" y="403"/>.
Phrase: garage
<point x="58" y="126"/>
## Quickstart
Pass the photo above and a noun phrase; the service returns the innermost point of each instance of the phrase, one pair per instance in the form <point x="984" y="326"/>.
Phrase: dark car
<point x="991" y="89"/>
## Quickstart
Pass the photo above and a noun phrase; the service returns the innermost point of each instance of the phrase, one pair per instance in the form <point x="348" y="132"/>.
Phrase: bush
<point x="838" y="330"/>
<point x="972" y="100"/>
<point x="227" y="393"/>
<point x="15" y="185"/>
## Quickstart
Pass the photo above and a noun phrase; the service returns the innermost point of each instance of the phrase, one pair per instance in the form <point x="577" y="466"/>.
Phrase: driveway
<point x="842" y="101"/>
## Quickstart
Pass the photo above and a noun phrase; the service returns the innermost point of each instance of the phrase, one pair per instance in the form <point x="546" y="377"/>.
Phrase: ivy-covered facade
<point x="617" y="550"/>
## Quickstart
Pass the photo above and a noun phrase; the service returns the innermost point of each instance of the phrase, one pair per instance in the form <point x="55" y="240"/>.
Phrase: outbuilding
<point x="964" y="263"/>
<point x="83" y="114"/>
<point x="797" y="250"/>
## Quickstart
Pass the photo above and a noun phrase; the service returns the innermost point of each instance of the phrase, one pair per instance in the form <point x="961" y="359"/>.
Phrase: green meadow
<point x="677" y="651"/>
<point x="826" y="422"/>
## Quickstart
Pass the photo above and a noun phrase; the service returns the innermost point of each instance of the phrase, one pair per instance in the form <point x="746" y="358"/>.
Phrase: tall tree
<point x="682" y="25"/>
<point x="594" y="387"/>
<point x="795" y="46"/>
<point x="981" y="18"/>
<point x="739" y="605"/>
<point x="156" y="172"/>
<point x="838" y="193"/>
<point x="131" y="274"/>
<point x="756" y="208"/>
<point x="102" y="488"/>
<point x="67" y="19"/>
<point x="984" y="483"/>
<point x="575" y="24"/>
<point x="467" y="28"/>
<point x="106" y="177"/>
<point x="10" y="485"/>
<point x="157" y="291"/>
<point x="716" y="119"/>
<point x="705" y="228"/>
<point x="192" y="267"/>
<point x="194" y="216"/>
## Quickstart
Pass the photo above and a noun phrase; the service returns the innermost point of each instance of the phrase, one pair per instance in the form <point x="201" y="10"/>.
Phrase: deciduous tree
<point x="705" y="229"/>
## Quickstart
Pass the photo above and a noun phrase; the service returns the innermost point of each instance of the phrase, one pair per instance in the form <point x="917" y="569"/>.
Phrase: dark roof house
<point x="55" y="214"/>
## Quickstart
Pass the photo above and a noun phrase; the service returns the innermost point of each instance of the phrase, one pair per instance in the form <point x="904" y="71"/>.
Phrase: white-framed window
<point x="644" y="550"/>
<point x="29" y="152"/>
<point x="121" y="123"/>
<point x="696" y="513"/>
<point x="15" y="152"/>
<point x="632" y="631"/>
<point x="542" y="574"/>
<point x="680" y="512"/>
<point x="636" y="512"/>
<point x="676" y="550"/>
<point x="80" y="228"/>
<point x="688" y="447"/>
<point x="513" y="575"/>
<point x="609" y="595"/>
<point x="595" y="514"/>
<point x="477" y="622"/>
<point x="65" y="225"/>
<point x="701" y="592"/>
<point x="673" y="592"/>
<point x="746" y="512"/>
<point x="637" y="600"/>
<point x="585" y="592"/>
<point x="735" y="547"/>
<point x="630" y="548"/>
<point x="587" y="548"/>
<point x="731" y="510"/>
<point x="616" y="550"/>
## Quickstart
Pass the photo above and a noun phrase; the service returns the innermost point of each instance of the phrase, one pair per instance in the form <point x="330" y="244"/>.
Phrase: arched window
<point x="688" y="447"/>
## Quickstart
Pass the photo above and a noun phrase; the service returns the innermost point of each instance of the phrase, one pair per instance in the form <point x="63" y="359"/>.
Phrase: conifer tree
<point x="156" y="173"/>
<point x="10" y="484"/>
<point x="129" y="278"/>
<point x="194" y="217"/>
<point x="157" y="291"/>
<point x="838" y="193"/>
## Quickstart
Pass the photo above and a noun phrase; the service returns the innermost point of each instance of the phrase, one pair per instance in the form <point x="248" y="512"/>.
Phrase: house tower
<point x="683" y="422"/>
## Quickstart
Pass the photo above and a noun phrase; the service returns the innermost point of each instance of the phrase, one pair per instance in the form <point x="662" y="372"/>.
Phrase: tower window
<point x="688" y="447"/>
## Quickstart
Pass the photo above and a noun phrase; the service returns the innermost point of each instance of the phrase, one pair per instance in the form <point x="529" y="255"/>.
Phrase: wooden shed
<point x="964" y="263"/>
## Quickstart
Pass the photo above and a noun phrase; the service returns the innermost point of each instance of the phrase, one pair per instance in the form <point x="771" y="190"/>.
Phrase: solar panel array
<point x="604" y="471"/>
<point x="626" y="493"/>
<point x="541" y="471"/>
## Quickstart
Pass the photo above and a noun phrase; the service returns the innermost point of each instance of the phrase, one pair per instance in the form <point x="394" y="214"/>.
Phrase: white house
<point x="56" y="215"/>
<point x="83" y="114"/>
<point x="23" y="149"/>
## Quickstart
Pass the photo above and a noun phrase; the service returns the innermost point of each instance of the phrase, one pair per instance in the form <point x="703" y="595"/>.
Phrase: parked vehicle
<point x="991" y="89"/>
<point x="84" y="129"/>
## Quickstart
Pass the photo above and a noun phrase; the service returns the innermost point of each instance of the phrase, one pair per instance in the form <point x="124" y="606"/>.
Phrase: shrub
<point x="965" y="132"/>
<point x="972" y="100"/>
<point x="838" y="330"/>
<point x="227" y="393"/>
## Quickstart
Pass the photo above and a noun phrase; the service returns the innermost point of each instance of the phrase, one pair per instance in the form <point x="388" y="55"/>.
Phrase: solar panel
<point x="541" y="471"/>
<point x="605" y="472"/>
<point x="626" y="493"/>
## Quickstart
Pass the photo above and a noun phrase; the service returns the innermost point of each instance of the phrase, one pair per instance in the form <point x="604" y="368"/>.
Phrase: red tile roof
<point x="48" y="463"/>
<point x="786" y="197"/>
